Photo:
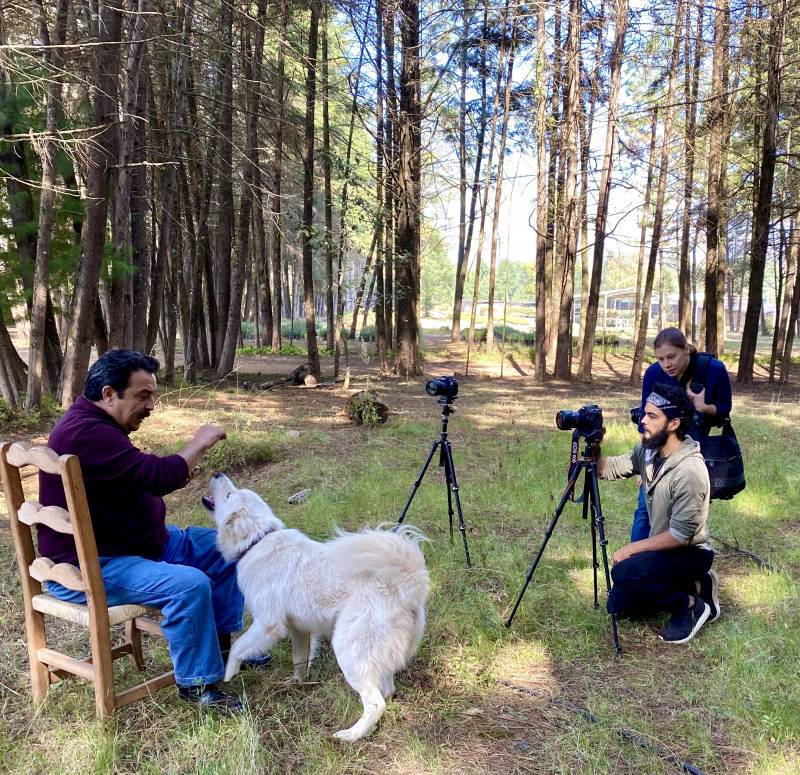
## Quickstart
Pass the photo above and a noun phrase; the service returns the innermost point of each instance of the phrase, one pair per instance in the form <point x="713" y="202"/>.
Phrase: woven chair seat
<point x="77" y="613"/>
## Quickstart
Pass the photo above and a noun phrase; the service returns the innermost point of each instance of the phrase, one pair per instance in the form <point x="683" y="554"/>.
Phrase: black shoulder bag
<point x="722" y="452"/>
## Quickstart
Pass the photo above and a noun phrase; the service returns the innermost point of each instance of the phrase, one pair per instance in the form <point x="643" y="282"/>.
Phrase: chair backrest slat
<point x="21" y="454"/>
<point x="44" y="569"/>
<point x="33" y="513"/>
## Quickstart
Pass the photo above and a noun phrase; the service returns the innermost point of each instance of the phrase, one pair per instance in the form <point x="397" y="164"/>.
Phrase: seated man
<point x="143" y="560"/>
<point x="670" y="570"/>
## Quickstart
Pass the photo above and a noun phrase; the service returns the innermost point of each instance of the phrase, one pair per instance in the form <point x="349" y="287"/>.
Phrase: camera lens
<point x="432" y="387"/>
<point x="566" y="420"/>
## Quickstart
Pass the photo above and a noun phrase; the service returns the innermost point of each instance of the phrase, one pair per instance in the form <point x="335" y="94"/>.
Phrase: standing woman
<point x="676" y="364"/>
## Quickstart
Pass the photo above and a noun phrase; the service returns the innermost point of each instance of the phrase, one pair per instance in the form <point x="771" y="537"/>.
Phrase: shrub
<point x="18" y="420"/>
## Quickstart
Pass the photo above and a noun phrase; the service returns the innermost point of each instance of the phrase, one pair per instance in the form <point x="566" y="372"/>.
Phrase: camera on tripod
<point x="586" y="421"/>
<point x="446" y="387"/>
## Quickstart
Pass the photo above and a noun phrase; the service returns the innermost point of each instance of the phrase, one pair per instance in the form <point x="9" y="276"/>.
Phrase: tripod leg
<point x="448" y="479"/>
<point x="564" y="498"/>
<point x="418" y="481"/>
<point x="586" y="500"/>
<point x="599" y="521"/>
<point x="450" y="466"/>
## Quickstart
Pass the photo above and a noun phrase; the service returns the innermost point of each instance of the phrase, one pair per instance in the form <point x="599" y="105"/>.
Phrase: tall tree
<point x="277" y="172"/>
<point x="542" y="202"/>
<point x="498" y="185"/>
<point x="600" y="229"/>
<point x="761" y="214"/>
<point x="252" y="55"/>
<point x="690" y="91"/>
<point x="715" y="224"/>
<point x="409" y="170"/>
<point x="101" y="157"/>
<point x="563" y="363"/>
<point x="658" y="216"/>
<point x="53" y="59"/>
<point x="308" y="189"/>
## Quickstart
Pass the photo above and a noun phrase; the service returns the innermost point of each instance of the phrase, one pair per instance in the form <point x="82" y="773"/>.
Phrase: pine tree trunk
<point x="761" y="213"/>
<point x="651" y="166"/>
<point x="408" y="194"/>
<point x="716" y="162"/>
<point x="691" y="85"/>
<point x="658" y="217"/>
<point x="251" y="57"/>
<point x="601" y="219"/>
<point x="53" y="59"/>
<point x="486" y="188"/>
<point x="102" y="155"/>
<point x="540" y="357"/>
<point x="277" y="176"/>
<point x="498" y="186"/>
<point x="563" y="363"/>
<point x="308" y="190"/>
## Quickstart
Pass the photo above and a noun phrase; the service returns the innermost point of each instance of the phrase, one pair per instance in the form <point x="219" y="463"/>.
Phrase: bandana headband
<point x="665" y="405"/>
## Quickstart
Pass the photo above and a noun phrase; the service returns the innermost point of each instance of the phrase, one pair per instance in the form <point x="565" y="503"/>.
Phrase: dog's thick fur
<point x="363" y="591"/>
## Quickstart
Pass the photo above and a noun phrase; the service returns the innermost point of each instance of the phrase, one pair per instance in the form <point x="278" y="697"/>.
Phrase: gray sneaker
<point x="709" y="591"/>
<point x="683" y="626"/>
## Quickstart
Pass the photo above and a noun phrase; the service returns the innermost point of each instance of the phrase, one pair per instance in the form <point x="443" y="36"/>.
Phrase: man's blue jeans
<point x="641" y="519"/>
<point x="196" y="591"/>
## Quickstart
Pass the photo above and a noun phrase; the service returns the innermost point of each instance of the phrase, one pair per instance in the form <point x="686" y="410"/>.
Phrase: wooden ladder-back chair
<point x="49" y="666"/>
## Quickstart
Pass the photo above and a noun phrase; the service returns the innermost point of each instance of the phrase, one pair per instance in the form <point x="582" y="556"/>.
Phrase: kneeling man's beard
<point x="656" y="440"/>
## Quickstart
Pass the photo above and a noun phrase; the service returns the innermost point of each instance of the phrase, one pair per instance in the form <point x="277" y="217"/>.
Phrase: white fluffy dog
<point x="364" y="591"/>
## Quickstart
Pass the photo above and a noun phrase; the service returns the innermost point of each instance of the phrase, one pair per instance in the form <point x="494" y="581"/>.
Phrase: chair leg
<point x="40" y="673"/>
<point x="103" y="663"/>
<point x="134" y="636"/>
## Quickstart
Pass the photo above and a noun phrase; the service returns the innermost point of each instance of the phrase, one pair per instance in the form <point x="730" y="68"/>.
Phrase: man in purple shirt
<point x="143" y="560"/>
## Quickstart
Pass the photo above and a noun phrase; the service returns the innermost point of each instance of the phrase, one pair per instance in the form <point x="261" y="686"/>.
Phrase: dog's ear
<point x="237" y="522"/>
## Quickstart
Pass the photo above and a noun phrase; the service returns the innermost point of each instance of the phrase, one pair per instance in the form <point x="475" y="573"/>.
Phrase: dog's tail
<point x="390" y="554"/>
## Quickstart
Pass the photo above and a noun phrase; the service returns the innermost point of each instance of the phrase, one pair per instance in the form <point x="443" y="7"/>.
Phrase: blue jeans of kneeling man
<point x="196" y="591"/>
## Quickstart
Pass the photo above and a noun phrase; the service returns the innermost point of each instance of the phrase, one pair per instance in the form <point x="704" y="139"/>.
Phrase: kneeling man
<point x="670" y="570"/>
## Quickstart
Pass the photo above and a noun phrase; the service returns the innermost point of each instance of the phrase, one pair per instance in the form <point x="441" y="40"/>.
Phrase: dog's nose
<point x="217" y="476"/>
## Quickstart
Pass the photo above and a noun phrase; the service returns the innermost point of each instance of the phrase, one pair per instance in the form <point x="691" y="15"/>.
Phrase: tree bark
<point x="409" y="171"/>
<point x="716" y="162"/>
<point x="651" y="166"/>
<point x="326" y="171"/>
<point x="169" y="176"/>
<point x="308" y="190"/>
<point x="658" y="218"/>
<point x="53" y="60"/>
<point x="277" y="175"/>
<point x="691" y="86"/>
<point x="540" y="358"/>
<point x="563" y="363"/>
<point x="761" y="214"/>
<point x="251" y="59"/>
<point x="498" y="186"/>
<point x="601" y="219"/>
<point x="461" y="269"/>
<point x="101" y="154"/>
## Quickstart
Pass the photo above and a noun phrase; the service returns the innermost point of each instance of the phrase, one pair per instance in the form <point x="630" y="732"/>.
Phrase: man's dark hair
<point x="677" y="396"/>
<point x="114" y="368"/>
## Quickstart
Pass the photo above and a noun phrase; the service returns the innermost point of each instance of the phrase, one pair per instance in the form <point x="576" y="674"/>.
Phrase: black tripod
<point x="590" y="497"/>
<point x="446" y="462"/>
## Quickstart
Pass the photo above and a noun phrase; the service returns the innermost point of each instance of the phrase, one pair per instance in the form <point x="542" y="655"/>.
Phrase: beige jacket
<point x="677" y="497"/>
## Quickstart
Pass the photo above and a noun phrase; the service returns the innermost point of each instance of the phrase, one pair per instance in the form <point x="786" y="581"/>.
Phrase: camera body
<point x="447" y="387"/>
<point x="586" y="421"/>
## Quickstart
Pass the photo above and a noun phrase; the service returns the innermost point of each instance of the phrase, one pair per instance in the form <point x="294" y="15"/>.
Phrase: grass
<point x="729" y="701"/>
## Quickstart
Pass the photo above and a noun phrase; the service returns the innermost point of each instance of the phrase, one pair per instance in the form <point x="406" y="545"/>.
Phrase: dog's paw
<point x="354" y="733"/>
